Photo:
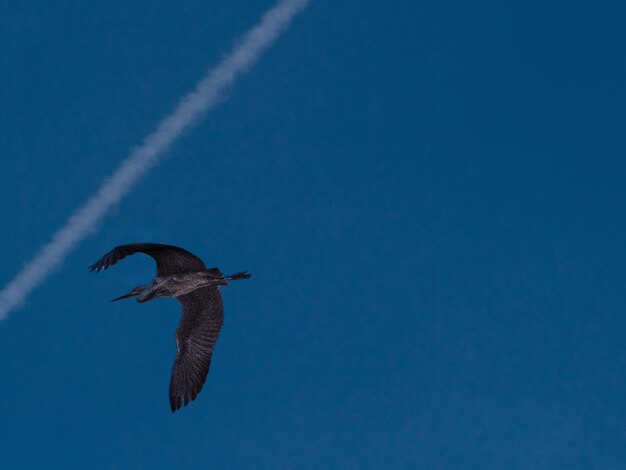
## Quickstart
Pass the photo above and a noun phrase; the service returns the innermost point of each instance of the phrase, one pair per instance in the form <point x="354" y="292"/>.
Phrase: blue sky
<point x="430" y="197"/>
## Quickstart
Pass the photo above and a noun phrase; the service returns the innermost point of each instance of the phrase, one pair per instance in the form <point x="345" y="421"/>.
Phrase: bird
<point x="184" y="276"/>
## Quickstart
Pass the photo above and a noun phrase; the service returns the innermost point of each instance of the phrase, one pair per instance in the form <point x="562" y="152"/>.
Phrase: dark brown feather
<point x="196" y="336"/>
<point x="170" y="260"/>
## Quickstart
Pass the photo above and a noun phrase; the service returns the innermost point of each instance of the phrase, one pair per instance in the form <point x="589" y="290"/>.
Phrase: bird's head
<point x="136" y="292"/>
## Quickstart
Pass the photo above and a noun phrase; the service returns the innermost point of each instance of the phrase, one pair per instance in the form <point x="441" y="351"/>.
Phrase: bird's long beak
<point x="125" y="296"/>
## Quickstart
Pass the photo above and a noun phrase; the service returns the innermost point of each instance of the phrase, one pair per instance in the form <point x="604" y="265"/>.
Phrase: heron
<point x="182" y="275"/>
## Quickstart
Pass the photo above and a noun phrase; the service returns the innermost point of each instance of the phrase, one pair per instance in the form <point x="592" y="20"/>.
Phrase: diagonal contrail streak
<point x="143" y="158"/>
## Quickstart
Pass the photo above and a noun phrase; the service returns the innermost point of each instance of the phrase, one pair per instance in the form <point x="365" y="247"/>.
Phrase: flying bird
<point x="183" y="276"/>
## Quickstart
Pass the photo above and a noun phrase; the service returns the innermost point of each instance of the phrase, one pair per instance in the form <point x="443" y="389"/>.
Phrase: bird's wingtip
<point x="174" y="405"/>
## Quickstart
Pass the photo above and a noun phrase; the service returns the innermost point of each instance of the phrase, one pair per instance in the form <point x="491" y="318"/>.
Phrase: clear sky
<point x="430" y="196"/>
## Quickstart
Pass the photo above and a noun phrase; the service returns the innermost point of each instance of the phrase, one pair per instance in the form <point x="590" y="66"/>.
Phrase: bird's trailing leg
<point x="236" y="277"/>
<point x="216" y="275"/>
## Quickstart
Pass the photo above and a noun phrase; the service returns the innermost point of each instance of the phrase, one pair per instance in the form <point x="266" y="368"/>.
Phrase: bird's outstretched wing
<point x="199" y="327"/>
<point x="169" y="259"/>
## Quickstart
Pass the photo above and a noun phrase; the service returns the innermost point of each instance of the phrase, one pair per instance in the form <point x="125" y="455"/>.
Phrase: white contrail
<point x="143" y="158"/>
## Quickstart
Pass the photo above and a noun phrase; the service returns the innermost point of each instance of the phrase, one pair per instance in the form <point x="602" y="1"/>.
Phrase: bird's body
<point x="183" y="276"/>
<point x="176" y="285"/>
